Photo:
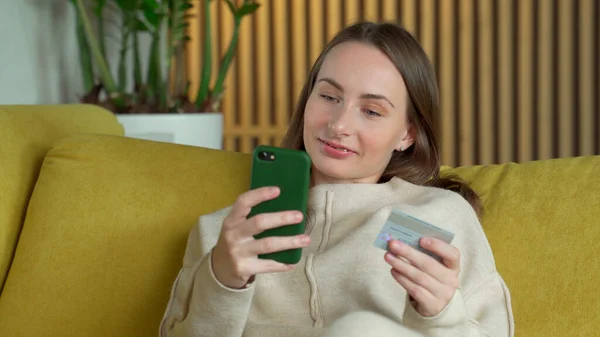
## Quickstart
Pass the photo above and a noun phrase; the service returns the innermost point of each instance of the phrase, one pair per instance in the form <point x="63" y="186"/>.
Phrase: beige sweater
<point x="341" y="272"/>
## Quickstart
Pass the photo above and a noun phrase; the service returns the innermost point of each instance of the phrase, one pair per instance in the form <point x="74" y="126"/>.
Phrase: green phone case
<point x="290" y="171"/>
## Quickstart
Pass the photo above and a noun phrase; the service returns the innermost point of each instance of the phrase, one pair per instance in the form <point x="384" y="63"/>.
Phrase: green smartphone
<point x="290" y="171"/>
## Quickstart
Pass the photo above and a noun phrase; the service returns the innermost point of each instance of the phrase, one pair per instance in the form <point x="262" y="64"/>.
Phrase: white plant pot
<point x="195" y="129"/>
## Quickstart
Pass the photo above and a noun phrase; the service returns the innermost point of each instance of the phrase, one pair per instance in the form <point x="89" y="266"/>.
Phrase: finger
<point x="261" y="222"/>
<point x="424" y="298"/>
<point x="416" y="276"/>
<point x="245" y="201"/>
<point x="420" y="260"/>
<point x="271" y="266"/>
<point x="450" y="255"/>
<point x="274" y="244"/>
<point x="252" y="266"/>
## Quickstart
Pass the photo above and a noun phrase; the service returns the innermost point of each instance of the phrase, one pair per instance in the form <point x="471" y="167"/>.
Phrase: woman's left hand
<point x="429" y="283"/>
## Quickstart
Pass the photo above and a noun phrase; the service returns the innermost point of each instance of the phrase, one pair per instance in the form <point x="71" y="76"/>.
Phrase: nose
<point x="341" y="122"/>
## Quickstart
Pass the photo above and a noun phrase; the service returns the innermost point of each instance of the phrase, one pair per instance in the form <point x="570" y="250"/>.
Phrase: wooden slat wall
<point x="519" y="79"/>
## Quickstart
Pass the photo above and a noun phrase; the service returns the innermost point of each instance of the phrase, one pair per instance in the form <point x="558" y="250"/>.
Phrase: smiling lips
<point x="336" y="150"/>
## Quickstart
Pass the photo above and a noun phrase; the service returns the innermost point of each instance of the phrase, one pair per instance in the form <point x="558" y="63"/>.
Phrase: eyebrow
<point x="364" y="96"/>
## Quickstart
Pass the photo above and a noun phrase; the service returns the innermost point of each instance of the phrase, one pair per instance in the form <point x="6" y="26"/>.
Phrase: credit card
<point x="408" y="229"/>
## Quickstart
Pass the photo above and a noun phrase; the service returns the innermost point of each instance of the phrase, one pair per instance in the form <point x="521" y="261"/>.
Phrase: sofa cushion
<point x="27" y="132"/>
<point x="542" y="221"/>
<point x="105" y="234"/>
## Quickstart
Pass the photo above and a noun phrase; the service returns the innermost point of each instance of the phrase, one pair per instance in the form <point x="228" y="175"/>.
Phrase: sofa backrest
<point x="543" y="223"/>
<point x="27" y="132"/>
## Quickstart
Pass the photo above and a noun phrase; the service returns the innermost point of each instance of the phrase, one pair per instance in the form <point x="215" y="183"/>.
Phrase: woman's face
<point x="355" y="116"/>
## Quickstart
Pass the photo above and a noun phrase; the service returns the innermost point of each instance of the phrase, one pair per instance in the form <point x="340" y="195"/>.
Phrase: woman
<point x="365" y="118"/>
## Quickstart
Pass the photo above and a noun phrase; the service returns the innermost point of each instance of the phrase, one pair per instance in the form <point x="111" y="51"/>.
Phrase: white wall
<point x="38" y="53"/>
<point x="39" y="60"/>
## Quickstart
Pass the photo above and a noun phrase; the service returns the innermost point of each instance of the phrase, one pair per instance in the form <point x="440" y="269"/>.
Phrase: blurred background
<point x="519" y="79"/>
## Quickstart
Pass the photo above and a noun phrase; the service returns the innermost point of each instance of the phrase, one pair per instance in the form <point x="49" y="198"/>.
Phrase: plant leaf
<point x="127" y="5"/>
<point x="247" y="8"/>
<point x="151" y="4"/>
<point x="152" y="14"/>
<point x="177" y="36"/>
<point x="185" y="6"/>
<point x="98" y="7"/>
<point x="140" y="26"/>
<point x="231" y="6"/>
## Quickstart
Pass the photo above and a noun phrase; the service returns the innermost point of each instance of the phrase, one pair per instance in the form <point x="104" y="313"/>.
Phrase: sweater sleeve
<point x="481" y="306"/>
<point x="481" y="312"/>
<point x="199" y="304"/>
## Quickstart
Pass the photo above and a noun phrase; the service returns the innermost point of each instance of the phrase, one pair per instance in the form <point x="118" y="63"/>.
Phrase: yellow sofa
<point x="93" y="226"/>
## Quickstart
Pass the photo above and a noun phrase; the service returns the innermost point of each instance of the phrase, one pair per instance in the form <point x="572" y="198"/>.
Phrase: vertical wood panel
<point x="427" y="28"/>
<point x="525" y="80"/>
<point x="596" y="111"/>
<point x="316" y="28"/>
<point x="370" y="10"/>
<point x="447" y="88"/>
<point x="507" y="130"/>
<point x="299" y="47"/>
<point x="245" y="95"/>
<point x="408" y="10"/>
<point x="281" y="65"/>
<point x="565" y="79"/>
<point x="351" y="11"/>
<point x="193" y="58"/>
<point x="263" y="74"/>
<point x="334" y="18"/>
<point x="586" y="62"/>
<point x="390" y="10"/>
<point x="544" y="79"/>
<point x="228" y="103"/>
<point x="466" y="85"/>
<point x="485" y="108"/>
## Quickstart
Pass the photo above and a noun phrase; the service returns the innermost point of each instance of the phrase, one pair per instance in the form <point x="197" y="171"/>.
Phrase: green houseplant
<point x="161" y="87"/>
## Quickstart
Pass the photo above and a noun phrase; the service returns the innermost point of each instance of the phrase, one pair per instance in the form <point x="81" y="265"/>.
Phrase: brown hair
<point x="420" y="163"/>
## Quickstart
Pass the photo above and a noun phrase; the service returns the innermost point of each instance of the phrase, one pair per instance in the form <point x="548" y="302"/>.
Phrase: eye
<point x="328" y="98"/>
<point x="372" y="113"/>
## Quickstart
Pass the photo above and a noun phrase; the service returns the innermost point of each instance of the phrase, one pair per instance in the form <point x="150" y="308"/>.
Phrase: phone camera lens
<point x="268" y="156"/>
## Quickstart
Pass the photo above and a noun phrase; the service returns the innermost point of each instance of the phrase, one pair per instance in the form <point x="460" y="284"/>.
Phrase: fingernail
<point x="274" y="189"/>
<point x="294" y="217"/>
<point x="304" y="239"/>
<point x="427" y="241"/>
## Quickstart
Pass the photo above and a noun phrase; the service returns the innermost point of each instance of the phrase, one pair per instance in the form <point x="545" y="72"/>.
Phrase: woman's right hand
<point x="235" y="256"/>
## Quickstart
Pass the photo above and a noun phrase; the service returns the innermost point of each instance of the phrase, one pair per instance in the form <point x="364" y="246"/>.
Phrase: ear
<point x="408" y="139"/>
